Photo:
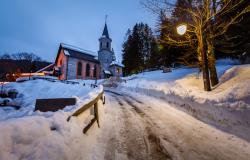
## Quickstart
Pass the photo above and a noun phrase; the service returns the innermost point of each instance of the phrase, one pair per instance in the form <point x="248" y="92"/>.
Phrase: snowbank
<point x="227" y="106"/>
<point x="29" y="91"/>
<point x="26" y="134"/>
<point x="233" y="89"/>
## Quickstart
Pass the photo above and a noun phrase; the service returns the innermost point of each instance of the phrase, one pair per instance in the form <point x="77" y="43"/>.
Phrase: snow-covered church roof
<point x="77" y="52"/>
<point x="67" y="46"/>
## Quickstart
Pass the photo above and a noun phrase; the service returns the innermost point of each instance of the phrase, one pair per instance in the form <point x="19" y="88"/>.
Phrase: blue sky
<point x="39" y="26"/>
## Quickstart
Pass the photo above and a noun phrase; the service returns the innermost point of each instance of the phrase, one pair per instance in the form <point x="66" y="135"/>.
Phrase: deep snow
<point x="233" y="88"/>
<point x="227" y="106"/>
<point x="134" y="126"/>
<point x="29" y="91"/>
<point x="25" y="134"/>
<point x="142" y="127"/>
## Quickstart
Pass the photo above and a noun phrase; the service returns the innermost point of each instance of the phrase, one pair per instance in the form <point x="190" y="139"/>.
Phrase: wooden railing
<point x="94" y="104"/>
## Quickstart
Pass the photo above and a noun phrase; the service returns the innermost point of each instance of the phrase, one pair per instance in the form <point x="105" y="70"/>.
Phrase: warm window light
<point x="181" y="29"/>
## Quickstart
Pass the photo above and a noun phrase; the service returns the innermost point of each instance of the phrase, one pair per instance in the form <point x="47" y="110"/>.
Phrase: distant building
<point x="76" y="63"/>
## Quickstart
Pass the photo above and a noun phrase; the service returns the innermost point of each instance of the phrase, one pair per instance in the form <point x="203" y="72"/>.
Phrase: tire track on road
<point x="151" y="142"/>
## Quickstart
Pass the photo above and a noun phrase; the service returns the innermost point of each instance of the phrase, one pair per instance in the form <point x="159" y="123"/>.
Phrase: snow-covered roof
<point x="79" y="53"/>
<point x="45" y="68"/>
<point x="66" y="53"/>
<point x="115" y="63"/>
<point x="67" y="46"/>
<point x="107" y="72"/>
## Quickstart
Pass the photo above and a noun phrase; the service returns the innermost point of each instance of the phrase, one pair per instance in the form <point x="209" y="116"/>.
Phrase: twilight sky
<point x="39" y="26"/>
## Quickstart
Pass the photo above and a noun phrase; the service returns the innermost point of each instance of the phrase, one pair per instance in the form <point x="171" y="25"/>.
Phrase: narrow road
<point x="145" y="128"/>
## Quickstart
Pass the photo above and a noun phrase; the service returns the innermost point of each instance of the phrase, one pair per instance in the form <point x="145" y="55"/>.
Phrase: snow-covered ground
<point x="227" y="106"/>
<point x="29" y="91"/>
<point x="25" y="134"/>
<point x="187" y="82"/>
<point x="133" y="125"/>
<point x="139" y="127"/>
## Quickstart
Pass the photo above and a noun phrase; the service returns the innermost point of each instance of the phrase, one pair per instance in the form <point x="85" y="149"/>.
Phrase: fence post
<point x="96" y="113"/>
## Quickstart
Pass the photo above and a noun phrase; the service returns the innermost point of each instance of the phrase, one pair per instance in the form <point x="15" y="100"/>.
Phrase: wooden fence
<point x="94" y="104"/>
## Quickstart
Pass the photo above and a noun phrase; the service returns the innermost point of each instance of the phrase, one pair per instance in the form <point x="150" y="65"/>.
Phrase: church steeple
<point x="105" y="40"/>
<point x="105" y="31"/>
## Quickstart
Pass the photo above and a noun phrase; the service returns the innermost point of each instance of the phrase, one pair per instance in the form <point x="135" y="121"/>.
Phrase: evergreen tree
<point x="140" y="50"/>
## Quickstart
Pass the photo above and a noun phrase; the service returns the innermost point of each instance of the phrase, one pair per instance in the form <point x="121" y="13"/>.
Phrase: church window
<point x="95" y="72"/>
<point x="101" y="45"/>
<point x="107" y="44"/>
<point x="87" y="70"/>
<point x="79" y="68"/>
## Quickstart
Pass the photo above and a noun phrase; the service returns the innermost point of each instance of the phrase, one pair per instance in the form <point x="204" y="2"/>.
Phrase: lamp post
<point x="181" y="30"/>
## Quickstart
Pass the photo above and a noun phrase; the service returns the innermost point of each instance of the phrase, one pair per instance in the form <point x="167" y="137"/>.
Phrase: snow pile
<point x="26" y="134"/>
<point x="233" y="88"/>
<point x="46" y="137"/>
<point x="29" y="91"/>
<point x="227" y="106"/>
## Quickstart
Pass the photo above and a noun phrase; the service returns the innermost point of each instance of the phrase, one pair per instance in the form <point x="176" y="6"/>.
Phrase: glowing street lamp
<point x="181" y="29"/>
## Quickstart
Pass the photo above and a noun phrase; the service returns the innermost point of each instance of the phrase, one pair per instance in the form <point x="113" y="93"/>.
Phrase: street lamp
<point x="181" y="29"/>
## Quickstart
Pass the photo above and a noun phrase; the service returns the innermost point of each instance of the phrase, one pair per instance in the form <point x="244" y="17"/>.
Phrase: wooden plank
<point x="89" y="125"/>
<point x="96" y="113"/>
<point x="88" y="105"/>
<point x="45" y="105"/>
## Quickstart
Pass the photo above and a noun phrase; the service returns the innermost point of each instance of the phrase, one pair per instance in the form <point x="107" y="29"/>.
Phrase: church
<point x="76" y="63"/>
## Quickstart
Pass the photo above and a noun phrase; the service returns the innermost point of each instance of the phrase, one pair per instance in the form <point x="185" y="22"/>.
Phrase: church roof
<point x="105" y="31"/>
<point x="78" y="53"/>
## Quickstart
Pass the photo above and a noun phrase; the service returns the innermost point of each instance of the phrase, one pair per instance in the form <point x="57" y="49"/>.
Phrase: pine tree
<point x="140" y="50"/>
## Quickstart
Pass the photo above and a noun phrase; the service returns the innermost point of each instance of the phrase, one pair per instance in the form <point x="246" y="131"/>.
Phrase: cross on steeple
<point x="106" y="17"/>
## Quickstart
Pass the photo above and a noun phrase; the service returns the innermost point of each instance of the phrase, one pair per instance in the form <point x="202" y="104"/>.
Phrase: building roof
<point x="47" y="68"/>
<point x="105" y="31"/>
<point x="115" y="63"/>
<point x="78" y="53"/>
<point x="107" y="72"/>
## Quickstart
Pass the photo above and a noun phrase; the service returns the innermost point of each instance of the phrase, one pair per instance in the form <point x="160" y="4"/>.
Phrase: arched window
<point x="87" y="70"/>
<point x="95" y="71"/>
<point x="79" y="68"/>
<point x="107" y="44"/>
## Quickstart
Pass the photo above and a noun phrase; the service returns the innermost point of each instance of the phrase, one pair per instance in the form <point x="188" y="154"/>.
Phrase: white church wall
<point x="72" y="68"/>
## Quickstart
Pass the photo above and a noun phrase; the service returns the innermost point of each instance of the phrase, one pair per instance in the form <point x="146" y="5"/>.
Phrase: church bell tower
<point x="105" y="40"/>
<point x="105" y="54"/>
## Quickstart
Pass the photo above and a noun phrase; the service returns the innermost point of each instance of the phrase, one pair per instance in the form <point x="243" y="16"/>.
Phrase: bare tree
<point x="205" y="20"/>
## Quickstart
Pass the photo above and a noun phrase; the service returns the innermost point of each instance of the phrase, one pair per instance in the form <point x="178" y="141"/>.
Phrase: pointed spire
<point x="105" y="30"/>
